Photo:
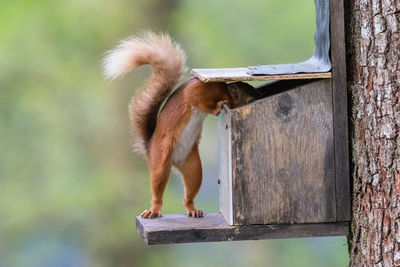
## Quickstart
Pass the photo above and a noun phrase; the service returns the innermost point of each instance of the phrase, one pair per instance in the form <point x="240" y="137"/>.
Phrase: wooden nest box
<point x="284" y="161"/>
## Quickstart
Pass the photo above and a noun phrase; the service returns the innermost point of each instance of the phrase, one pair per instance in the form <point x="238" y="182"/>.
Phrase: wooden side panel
<point x="283" y="158"/>
<point x="339" y="87"/>
<point x="225" y="166"/>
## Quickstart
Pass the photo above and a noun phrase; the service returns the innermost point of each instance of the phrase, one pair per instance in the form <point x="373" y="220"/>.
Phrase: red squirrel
<point x="170" y="137"/>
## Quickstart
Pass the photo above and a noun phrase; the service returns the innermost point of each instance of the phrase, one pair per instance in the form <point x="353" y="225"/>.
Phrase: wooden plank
<point x="240" y="74"/>
<point x="283" y="158"/>
<point x="178" y="228"/>
<point x="339" y="87"/>
<point x="225" y="165"/>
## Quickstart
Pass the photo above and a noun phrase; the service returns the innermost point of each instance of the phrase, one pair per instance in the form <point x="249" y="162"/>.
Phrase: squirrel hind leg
<point x="192" y="178"/>
<point x="160" y="169"/>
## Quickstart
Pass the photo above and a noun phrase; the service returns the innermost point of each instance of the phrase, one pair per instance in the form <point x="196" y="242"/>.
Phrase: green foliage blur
<point x="70" y="186"/>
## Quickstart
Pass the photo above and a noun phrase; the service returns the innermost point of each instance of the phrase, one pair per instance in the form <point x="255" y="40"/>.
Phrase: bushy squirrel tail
<point x="167" y="59"/>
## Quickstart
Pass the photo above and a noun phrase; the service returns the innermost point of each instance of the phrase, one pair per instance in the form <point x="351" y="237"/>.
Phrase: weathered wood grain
<point x="283" y="158"/>
<point x="240" y="74"/>
<point x="340" y="122"/>
<point x="178" y="228"/>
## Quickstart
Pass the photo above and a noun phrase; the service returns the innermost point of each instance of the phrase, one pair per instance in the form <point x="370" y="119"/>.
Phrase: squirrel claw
<point x="195" y="213"/>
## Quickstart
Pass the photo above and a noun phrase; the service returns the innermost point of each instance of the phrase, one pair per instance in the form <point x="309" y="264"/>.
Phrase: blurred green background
<point x="70" y="186"/>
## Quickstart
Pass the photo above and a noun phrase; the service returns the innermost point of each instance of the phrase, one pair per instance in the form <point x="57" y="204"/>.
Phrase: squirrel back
<point x="168" y="62"/>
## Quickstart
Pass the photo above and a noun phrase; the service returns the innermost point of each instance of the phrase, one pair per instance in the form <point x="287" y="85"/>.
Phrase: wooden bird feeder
<point x="284" y="161"/>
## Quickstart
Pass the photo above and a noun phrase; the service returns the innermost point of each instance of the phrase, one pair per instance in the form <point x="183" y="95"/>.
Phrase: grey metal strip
<point x="319" y="62"/>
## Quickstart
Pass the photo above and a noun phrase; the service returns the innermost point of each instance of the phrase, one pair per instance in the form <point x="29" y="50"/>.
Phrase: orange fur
<point x="171" y="137"/>
<point x="168" y="62"/>
<point x="207" y="97"/>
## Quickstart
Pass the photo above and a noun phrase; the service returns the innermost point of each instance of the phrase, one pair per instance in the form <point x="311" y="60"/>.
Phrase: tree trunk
<point x="373" y="41"/>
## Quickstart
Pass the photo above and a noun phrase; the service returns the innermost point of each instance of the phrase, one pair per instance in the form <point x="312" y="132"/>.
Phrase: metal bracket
<point x="319" y="62"/>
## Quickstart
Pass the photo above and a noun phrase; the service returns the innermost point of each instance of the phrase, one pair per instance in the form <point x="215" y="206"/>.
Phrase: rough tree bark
<point x="373" y="41"/>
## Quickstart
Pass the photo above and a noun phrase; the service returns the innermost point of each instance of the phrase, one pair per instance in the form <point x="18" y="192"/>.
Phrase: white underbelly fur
<point x="189" y="136"/>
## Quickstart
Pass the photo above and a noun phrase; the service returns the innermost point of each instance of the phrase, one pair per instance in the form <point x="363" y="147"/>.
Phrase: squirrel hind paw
<point x="150" y="214"/>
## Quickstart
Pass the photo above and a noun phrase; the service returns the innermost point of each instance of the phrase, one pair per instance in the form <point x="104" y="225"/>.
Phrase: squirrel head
<point x="242" y="93"/>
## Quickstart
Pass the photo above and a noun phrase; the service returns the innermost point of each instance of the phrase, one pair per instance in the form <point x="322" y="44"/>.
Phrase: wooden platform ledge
<point x="178" y="228"/>
<point x="240" y="74"/>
